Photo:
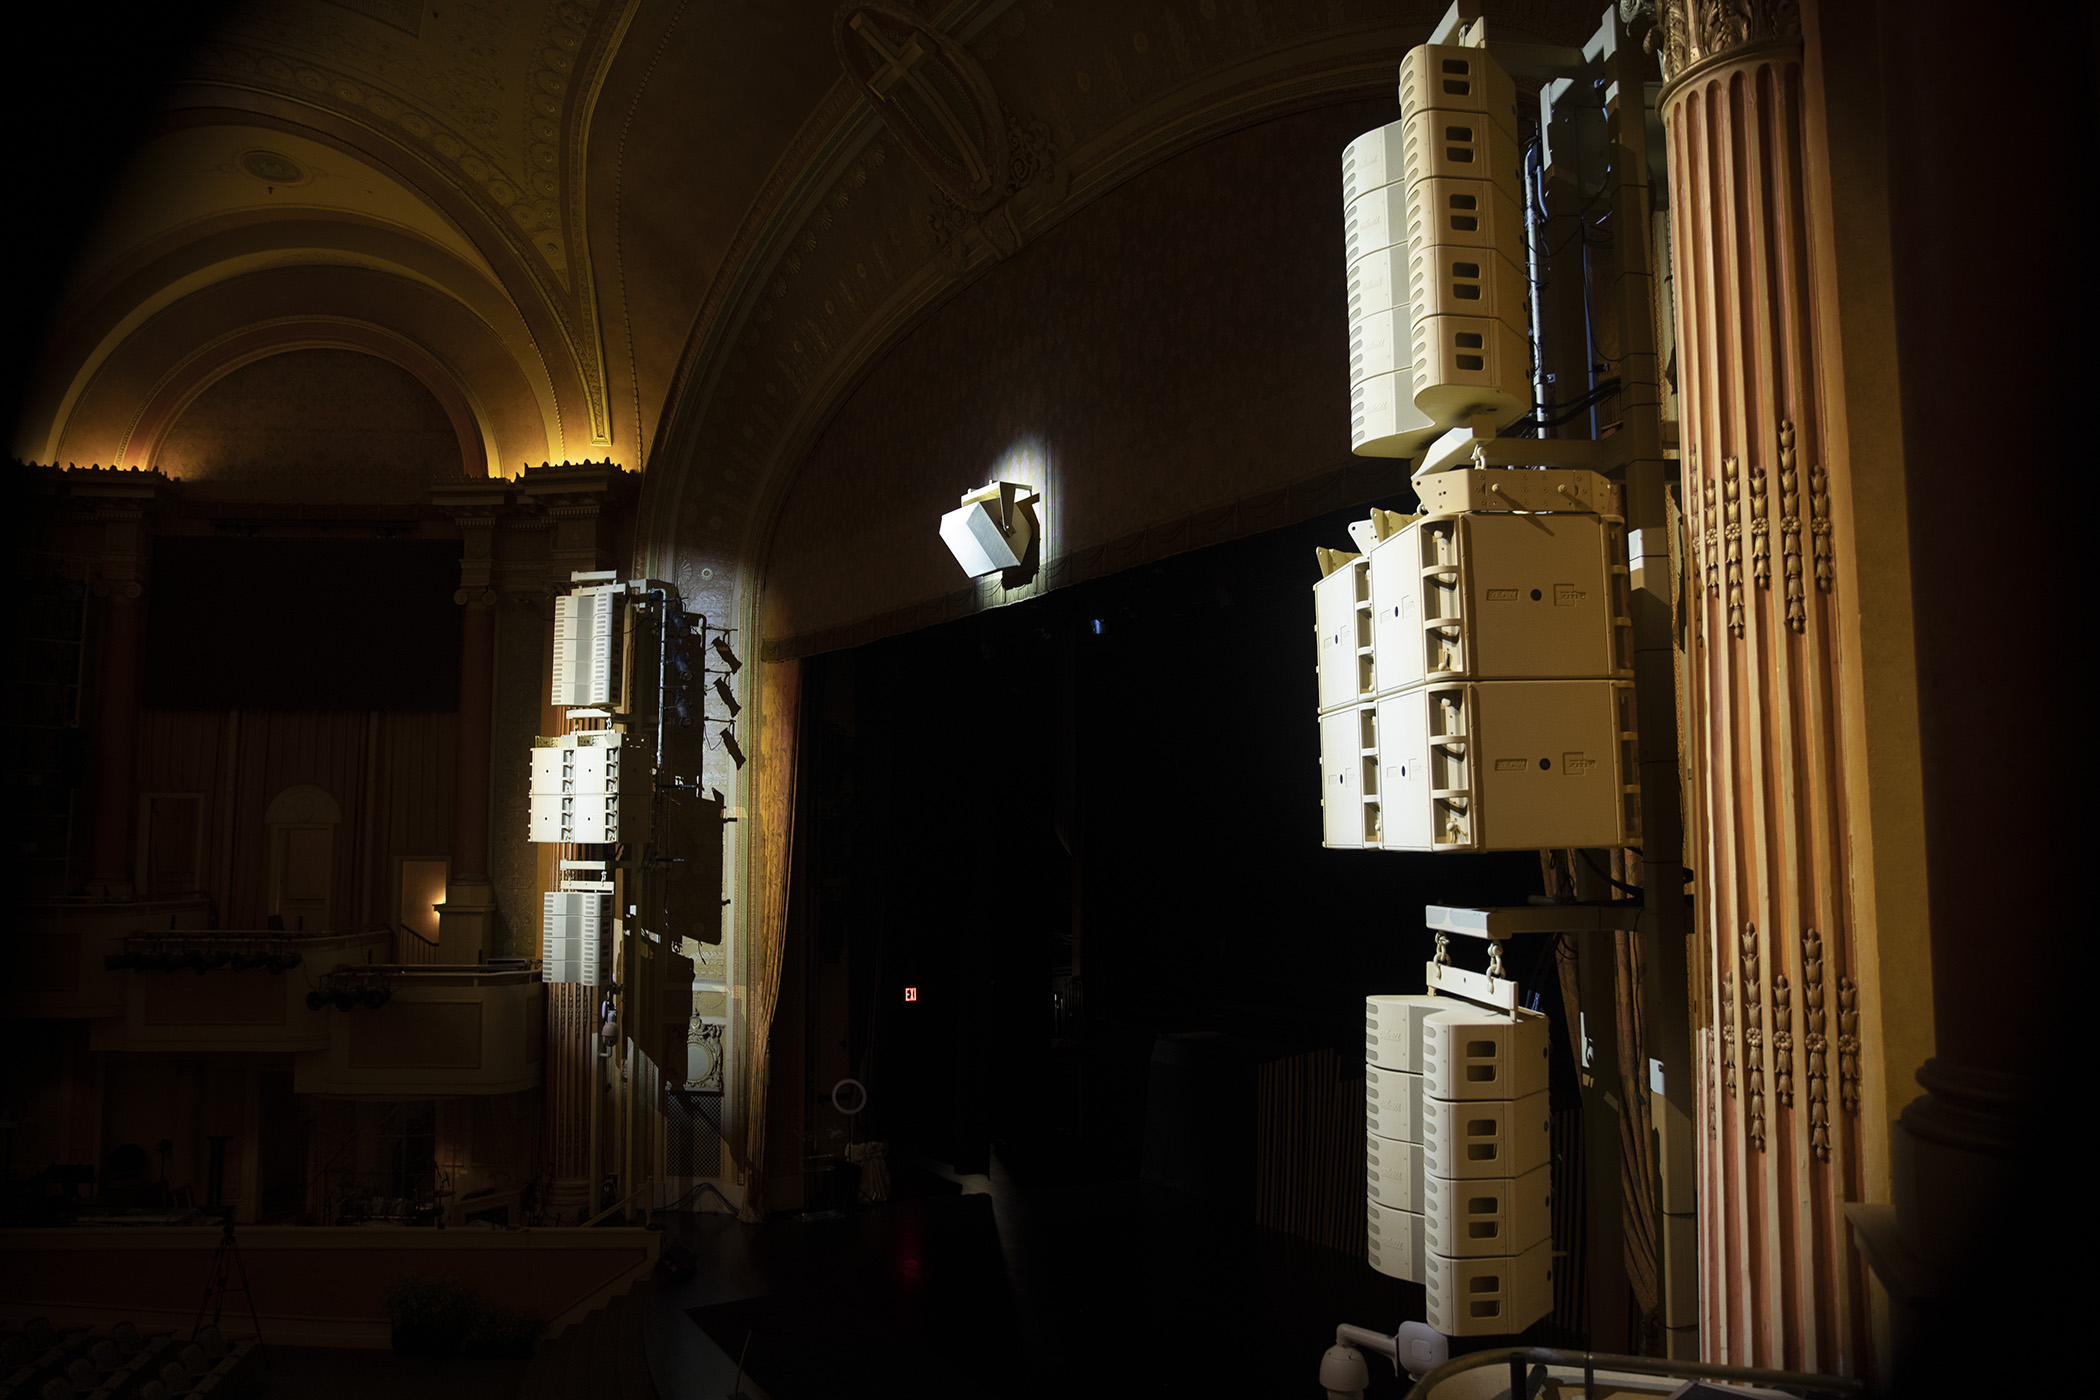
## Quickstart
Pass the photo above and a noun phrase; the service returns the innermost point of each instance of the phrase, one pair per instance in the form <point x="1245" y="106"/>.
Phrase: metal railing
<point x="1524" y="1382"/>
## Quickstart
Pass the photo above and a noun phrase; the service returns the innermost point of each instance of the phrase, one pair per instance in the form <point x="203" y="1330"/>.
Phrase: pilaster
<point x="121" y="503"/>
<point x="466" y="920"/>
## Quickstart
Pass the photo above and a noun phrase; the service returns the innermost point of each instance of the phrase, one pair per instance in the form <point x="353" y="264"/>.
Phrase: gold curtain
<point x="780" y="709"/>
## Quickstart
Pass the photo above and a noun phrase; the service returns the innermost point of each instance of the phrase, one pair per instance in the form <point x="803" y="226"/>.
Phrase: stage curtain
<point x="780" y="701"/>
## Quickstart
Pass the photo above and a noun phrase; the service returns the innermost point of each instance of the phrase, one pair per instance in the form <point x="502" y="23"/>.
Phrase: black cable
<point x="736" y="1388"/>
<point x="1530" y="424"/>
<point x="1591" y="862"/>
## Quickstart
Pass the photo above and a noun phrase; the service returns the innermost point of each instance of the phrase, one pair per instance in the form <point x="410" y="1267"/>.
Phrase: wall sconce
<point x="992" y="529"/>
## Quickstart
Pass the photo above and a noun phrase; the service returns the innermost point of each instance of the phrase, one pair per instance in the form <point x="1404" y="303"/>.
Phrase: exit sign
<point x="911" y="993"/>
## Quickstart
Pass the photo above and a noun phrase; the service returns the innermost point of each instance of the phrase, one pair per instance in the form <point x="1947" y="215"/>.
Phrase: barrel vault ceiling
<point x="629" y="228"/>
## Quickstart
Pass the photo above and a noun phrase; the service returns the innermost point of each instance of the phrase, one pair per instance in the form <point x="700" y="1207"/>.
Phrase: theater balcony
<point x="399" y="1030"/>
<point x="220" y="992"/>
<point x="60" y="969"/>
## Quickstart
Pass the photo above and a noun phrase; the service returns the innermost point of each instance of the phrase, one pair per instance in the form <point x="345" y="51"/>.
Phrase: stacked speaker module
<point x="1475" y="659"/>
<point x="1438" y="304"/>
<point x="1456" y="1164"/>
<point x="588" y="788"/>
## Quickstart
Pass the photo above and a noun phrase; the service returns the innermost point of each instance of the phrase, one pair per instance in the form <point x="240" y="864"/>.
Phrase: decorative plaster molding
<point x="1696" y="33"/>
<point x="539" y="211"/>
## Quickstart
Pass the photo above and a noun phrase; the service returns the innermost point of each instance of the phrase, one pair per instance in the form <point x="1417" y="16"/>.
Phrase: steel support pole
<point x="1665" y="925"/>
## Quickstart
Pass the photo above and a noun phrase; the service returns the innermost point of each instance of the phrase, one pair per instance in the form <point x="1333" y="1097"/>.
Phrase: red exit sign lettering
<point x="911" y="993"/>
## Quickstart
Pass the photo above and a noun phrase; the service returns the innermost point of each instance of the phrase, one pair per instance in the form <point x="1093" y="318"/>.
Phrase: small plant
<point x="437" y="1315"/>
<point x="429" y="1313"/>
<point x="496" y="1331"/>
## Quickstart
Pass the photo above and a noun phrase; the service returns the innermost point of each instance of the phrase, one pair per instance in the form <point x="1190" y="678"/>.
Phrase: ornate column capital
<point x="475" y="506"/>
<point x="1689" y="35"/>
<point x="580" y="500"/>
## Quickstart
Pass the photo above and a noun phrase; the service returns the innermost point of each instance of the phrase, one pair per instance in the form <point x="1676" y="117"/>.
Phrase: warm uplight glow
<point x="422" y="887"/>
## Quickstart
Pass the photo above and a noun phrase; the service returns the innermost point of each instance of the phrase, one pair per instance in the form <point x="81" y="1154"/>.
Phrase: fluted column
<point x="1778" y="976"/>
<point x="470" y="804"/>
<point x="467" y="918"/>
<point x="116" y="740"/>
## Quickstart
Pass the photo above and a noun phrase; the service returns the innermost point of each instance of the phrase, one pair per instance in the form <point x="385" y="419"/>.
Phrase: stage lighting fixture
<point x="316" y="1000"/>
<point x="344" y="1000"/>
<point x="248" y="962"/>
<point x="118" y="962"/>
<point x="679" y="664"/>
<point x="992" y="528"/>
<point x="281" y="962"/>
<point x="205" y="962"/>
<point x="376" y="997"/>
<point x="682" y="710"/>
<point x="736" y="750"/>
<point x="721" y="646"/>
<point x="728" y="697"/>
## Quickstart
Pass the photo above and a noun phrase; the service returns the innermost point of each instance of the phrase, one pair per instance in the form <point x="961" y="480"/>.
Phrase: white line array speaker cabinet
<point x="1396" y="1242"/>
<point x="1501" y="596"/>
<point x="1458" y="1190"/>
<point x="1393" y="1172"/>
<point x="588" y="788"/>
<point x="1469" y="342"/>
<point x="586" y="640"/>
<point x="1480" y="1055"/>
<point x="1393" y="1028"/>
<point x="576" y="927"/>
<point x="1393" y="1103"/>
<point x="1383" y="419"/>
<point x="1508" y="766"/>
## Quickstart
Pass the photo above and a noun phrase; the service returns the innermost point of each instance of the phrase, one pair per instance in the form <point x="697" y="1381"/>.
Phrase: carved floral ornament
<point x="1686" y="33"/>
<point x="933" y="96"/>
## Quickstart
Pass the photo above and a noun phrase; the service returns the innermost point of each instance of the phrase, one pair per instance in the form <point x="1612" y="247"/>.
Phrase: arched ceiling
<point x="630" y="228"/>
<point x="187" y="178"/>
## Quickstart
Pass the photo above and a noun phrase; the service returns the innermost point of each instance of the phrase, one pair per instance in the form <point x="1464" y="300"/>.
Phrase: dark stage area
<point x="1060" y="905"/>
<point x="1057" y="855"/>
<point x="1089" y="1288"/>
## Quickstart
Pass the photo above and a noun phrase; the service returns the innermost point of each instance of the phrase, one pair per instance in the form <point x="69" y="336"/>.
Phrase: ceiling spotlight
<point x="205" y="962"/>
<point x="376" y="997"/>
<point x="344" y="1000"/>
<point x="316" y="1000"/>
<point x="682" y="709"/>
<point x="248" y="962"/>
<point x="679" y="664"/>
<point x="721" y="646"/>
<point x="992" y="529"/>
<point x="728" y="697"/>
<point x="281" y="962"/>
<point x="736" y="750"/>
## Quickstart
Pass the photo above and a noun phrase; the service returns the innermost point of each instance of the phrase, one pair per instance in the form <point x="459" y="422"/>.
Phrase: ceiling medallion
<point x="272" y="168"/>
<point x="932" y="94"/>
